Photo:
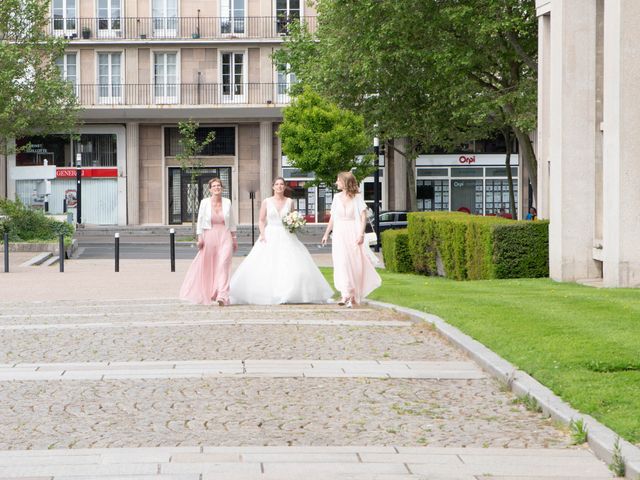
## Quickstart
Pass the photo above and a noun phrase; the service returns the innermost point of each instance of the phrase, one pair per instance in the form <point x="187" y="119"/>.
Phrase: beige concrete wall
<point x="253" y="65"/>
<point x="144" y="65"/>
<point x="88" y="66"/>
<point x="194" y="60"/>
<point x="248" y="168"/>
<point x="572" y="141"/>
<point x="151" y="185"/>
<point x="621" y="179"/>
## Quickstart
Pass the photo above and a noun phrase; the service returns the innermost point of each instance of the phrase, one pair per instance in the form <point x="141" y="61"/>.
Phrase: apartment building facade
<point x="141" y="66"/>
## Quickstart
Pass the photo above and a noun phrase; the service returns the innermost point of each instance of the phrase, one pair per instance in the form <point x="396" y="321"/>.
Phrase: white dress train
<point x="280" y="269"/>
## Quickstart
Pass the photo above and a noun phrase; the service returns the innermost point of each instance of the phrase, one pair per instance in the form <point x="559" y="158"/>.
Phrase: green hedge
<point x="23" y="224"/>
<point x="470" y="247"/>
<point x="395" y="251"/>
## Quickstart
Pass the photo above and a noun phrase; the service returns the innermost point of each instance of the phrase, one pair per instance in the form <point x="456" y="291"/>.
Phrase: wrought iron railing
<point x="183" y="94"/>
<point x="180" y="28"/>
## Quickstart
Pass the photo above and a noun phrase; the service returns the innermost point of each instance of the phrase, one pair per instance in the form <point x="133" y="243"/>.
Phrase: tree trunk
<point x="194" y="200"/>
<point x="4" y="168"/>
<point x="507" y="162"/>
<point x="528" y="157"/>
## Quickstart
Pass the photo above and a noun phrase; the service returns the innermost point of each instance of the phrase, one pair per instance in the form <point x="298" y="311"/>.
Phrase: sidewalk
<point x="108" y="375"/>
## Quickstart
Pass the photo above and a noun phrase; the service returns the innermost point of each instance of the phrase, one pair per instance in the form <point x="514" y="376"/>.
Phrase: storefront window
<point x="433" y="172"/>
<point x="497" y="196"/>
<point x="224" y="142"/>
<point x="466" y="172"/>
<point x="53" y="148"/>
<point x="97" y="150"/>
<point x="466" y="196"/>
<point x="433" y="195"/>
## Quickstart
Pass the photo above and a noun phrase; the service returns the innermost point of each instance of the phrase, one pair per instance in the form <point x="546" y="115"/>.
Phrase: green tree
<point x="437" y="72"/>
<point x="318" y="136"/>
<point x="35" y="99"/>
<point x="189" y="149"/>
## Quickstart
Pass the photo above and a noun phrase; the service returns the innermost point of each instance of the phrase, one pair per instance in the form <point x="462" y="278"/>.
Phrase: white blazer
<point x="204" y="215"/>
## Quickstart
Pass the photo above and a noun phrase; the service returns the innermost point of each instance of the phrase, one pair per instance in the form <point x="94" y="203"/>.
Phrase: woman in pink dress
<point x="354" y="273"/>
<point x="207" y="279"/>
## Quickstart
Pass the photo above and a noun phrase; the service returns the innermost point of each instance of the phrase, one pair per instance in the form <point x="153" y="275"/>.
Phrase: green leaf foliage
<point x="318" y="136"/>
<point x="395" y="251"/>
<point x="469" y="247"/>
<point x="35" y="99"/>
<point x="24" y="224"/>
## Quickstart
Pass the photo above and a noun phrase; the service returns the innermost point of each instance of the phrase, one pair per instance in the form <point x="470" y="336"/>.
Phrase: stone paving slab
<point x="240" y="368"/>
<point x="354" y="462"/>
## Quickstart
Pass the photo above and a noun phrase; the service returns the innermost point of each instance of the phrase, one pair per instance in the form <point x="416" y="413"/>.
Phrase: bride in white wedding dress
<point x="279" y="268"/>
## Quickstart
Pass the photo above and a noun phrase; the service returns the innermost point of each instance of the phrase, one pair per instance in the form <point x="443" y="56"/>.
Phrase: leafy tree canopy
<point x="436" y="71"/>
<point x="318" y="136"/>
<point x="35" y="99"/>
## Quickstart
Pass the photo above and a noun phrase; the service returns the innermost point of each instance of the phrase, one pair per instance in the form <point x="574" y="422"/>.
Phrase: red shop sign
<point x="87" y="172"/>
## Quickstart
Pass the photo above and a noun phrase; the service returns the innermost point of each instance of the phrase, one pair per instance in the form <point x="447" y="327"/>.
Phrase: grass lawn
<point x="581" y="342"/>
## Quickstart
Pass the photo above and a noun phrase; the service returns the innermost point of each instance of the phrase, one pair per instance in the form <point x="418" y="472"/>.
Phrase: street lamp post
<point x="376" y="192"/>
<point x="79" y="188"/>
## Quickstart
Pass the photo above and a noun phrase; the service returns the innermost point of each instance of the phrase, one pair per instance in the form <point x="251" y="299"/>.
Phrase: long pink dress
<point x="207" y="279"/>
<point x="354" y="275"/>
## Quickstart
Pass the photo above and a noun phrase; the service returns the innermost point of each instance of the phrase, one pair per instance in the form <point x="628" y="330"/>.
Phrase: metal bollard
<point x="6" y="253"/>
<point x="172" y="248"/>
<point x="117" y="251"/>
<point x="62" y="252"/>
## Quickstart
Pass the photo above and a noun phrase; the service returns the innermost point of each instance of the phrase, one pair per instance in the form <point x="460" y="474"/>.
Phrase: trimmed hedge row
<point x="395" y="251"/>
<point x="470" y="247"/>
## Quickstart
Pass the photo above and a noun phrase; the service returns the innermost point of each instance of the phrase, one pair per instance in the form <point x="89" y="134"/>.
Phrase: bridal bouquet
<point x="293" y="221"/>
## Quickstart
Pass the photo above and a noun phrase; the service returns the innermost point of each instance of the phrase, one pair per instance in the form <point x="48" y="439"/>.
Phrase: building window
<point x="286" y="78"/>
<point x="165" y="77"/>
<point x="97" y="149"/>
<point x="64" y="15"/>
<point x="232" y="16"/>
<point x="233" y="74"/>
<point x="109" y="77"/>
<point x="497" y="196"/>
<point x="223" y="144"/>
<point x="165" y="18"/>
<point x="433" y="195"/>
<point x="287" y="11"/>
<point x="109" y="13"/>
<point x="67" y="64"/>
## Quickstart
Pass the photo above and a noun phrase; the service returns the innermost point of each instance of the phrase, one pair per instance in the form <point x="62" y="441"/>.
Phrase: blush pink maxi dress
<point x="207" y="279"/>
<point x="354" y="274"/>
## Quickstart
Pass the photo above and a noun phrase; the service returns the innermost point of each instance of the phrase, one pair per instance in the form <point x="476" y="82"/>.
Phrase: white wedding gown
<point x="278" y="270"/>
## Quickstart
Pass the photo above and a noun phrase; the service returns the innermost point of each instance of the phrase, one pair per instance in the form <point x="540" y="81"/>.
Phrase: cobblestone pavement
<point x="263" y="411"/>
<point x="242" y="412"/>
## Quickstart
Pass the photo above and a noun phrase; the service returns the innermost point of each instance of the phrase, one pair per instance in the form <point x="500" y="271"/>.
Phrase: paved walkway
<point x="101" y="382"/>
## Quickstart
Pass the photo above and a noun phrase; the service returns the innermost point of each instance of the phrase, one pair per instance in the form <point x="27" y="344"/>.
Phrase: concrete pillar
<point x="572" y="140"/>
<point x="400" y="164"/>
<point x="621" y="165"/>
<point x="133" y="173"/>
<point x="266" y="159"/>
<point x="542" y="143"/>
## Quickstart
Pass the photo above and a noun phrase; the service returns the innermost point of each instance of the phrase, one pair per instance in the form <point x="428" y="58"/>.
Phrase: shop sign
<point x="467" y="160"/>
<point x="87" y="172"/>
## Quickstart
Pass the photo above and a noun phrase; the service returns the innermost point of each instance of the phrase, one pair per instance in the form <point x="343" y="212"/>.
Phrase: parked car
<point x="392" y="219"/>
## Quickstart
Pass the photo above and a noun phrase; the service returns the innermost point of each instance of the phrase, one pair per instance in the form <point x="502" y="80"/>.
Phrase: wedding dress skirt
<point x="278" y="270"/>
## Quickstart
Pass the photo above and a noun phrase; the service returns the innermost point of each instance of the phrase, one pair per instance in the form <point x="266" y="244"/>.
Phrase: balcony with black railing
<point x="183" y="94"/>
<point x="176" y="28"/>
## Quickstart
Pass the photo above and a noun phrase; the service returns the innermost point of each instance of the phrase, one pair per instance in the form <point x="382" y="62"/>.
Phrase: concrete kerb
<point x="601" y="439"/>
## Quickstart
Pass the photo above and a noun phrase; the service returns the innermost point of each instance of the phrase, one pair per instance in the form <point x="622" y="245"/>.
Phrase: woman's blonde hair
<point x="350" y="183"/>
<point x="214" y="180"/>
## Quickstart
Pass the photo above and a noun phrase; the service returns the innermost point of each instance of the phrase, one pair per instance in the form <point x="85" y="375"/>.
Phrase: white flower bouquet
<point x="293" y="221"/>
